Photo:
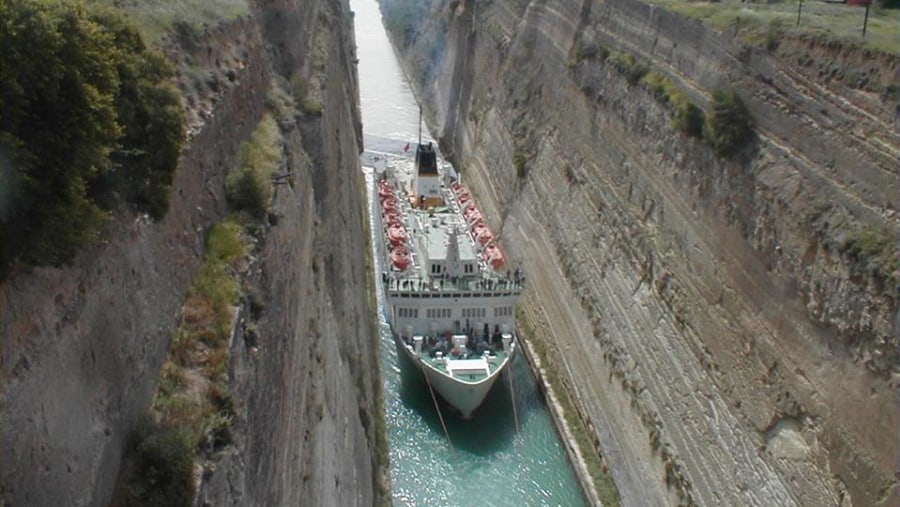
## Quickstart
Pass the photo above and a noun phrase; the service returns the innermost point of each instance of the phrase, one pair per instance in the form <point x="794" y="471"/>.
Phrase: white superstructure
<point x="450" y="293"/>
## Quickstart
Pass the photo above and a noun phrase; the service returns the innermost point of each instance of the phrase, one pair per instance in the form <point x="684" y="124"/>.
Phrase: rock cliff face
<point x="724" y="341"/>
<point x="82" y="346"/>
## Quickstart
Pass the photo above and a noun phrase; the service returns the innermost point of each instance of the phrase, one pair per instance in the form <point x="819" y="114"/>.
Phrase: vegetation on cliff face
<point x="824" y="37"/>
<point x="87" y="120"/>
<point x="250" y="187"/>
<point x="193" y="411"/>
<point x="687" y="117"/>
<point x="184" y="17"/>
<point x="728" y="126"/>
<point x="875" y="250"/>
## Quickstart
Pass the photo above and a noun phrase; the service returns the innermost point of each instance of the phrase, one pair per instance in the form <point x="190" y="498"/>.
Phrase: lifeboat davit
<point x="397" y="234"/>
<point x="400" y="258"/>
<point x="494" y="257"/>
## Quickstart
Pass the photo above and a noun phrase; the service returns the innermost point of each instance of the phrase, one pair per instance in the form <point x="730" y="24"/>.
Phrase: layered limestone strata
<point x="82" y="345"/>
<point x="722" y="345"/>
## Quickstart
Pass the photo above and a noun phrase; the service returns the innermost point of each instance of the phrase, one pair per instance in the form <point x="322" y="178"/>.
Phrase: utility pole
<point x="866" y="19"/>
<point x="799" y="8"/>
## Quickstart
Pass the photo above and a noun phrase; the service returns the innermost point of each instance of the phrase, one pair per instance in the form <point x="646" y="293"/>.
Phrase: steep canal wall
<point x="82" y="345"/>
<point x="727" y="323"/>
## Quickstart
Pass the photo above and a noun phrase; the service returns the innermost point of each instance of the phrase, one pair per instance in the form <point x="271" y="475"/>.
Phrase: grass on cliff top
<point x="833" y="22"/>
<point x="155" y="18"/>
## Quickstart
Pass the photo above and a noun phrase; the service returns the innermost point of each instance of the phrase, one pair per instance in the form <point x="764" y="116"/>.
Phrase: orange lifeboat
<point x="390" y="203"/>
<point x="394" y="220"/>
<point x="482" y="234"/>
<point x="494" y="256"/>
<point x="384" y="190"/>
<point x="400" y="258"/>
<point x="472" y="214"/>
<point x="397" y="234"/>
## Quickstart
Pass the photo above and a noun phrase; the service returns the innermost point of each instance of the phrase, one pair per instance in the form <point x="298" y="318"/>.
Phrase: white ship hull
<point x="466" y="396"/>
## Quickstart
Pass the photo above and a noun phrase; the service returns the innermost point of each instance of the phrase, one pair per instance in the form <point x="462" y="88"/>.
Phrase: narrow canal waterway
<point x="488" y="462"/>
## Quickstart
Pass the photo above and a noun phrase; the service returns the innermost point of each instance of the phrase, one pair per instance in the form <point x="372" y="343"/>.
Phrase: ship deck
<point x="412" y="286"/>
<point x="467" y="366"/>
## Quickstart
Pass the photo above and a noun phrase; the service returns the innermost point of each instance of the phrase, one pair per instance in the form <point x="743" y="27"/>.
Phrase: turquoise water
<point x="489" y="461"/>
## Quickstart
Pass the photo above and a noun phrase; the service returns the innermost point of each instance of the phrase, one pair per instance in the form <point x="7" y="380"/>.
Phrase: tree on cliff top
<point x="85" y="118"/>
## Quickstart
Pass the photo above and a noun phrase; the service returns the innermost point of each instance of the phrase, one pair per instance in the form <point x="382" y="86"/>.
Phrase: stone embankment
<point x="82" y="345"/>
<point x="722" y="338"/>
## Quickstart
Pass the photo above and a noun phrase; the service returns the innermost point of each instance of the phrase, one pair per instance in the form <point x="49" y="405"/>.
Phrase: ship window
<point x="468" y="268"/>
<point x="435" y="268"/>
<point x="503" y="311"/>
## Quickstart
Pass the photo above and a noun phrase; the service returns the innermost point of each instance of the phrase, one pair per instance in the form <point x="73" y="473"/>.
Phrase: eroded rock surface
<point x="82" y="346"/>
<point x="724" y="346"/>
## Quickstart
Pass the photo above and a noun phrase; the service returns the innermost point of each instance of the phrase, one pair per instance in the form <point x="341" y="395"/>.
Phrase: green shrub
<point x="688" y="118"/>
<point x="774" y="35"/>
<point x="729" y="126"/>
<point x="582" y="50"/>
<point x="304" y="97"/>
<point x="159" y="468"/>
<point x="86" y="116"/>
<point x="216" y="430"/>
<point x="519" y="161"/>
<point x="658" y="84"/>
<point x="877" y="250"/>
<point x="627" y="65"/>
<point x="250" y="187"/>
<point x="224" y="243"/>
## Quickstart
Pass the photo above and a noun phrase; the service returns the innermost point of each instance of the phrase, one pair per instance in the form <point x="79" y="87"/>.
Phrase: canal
<point x="508" y="454"/>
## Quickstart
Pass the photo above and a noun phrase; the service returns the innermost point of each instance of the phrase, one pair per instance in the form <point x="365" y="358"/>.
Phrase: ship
<point x="450" y="293"/>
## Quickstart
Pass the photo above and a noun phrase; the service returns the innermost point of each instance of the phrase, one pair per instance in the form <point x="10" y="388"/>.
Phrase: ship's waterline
<point x="508" y="453"/>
